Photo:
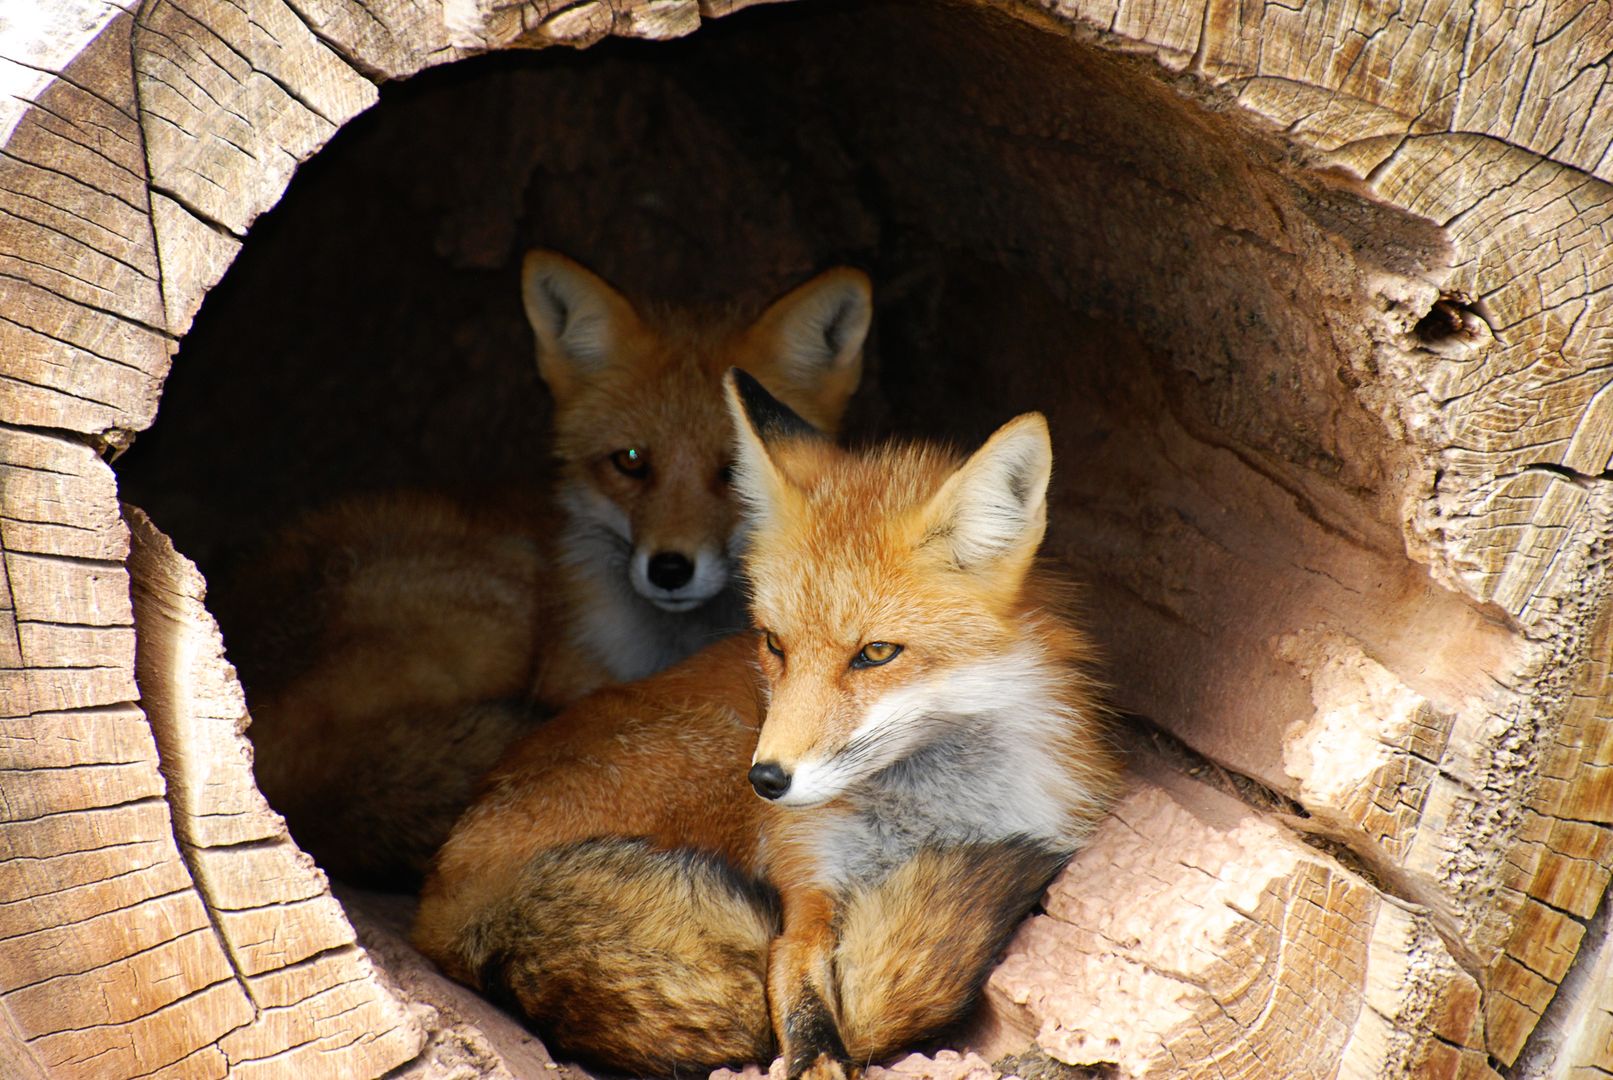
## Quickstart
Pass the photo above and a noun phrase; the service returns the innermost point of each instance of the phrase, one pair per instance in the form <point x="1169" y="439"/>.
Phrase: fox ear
<point x="810" y="342"/>
<point x="995" y="506"/>
<point x="577" y="318"/>
<point x="760" y="419"/>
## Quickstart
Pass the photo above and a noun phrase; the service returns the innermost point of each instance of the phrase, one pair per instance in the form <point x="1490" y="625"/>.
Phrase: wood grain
<point x="155" y="920"/>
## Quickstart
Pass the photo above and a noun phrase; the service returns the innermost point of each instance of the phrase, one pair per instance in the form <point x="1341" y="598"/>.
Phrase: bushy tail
<point x="915" y="950"/>
<point x="642" y="960"/>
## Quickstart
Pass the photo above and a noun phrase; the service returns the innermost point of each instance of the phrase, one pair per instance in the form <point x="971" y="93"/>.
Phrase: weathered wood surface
<point x="276" y="930"/>
<point x="1493" y="122"/>
<point x="1196" y="937"/>
<point x="143" y="933"/>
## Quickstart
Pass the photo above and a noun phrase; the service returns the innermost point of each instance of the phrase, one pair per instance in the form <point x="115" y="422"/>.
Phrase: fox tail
<point x="914" y="950"/>
<point x="645" y="960"/>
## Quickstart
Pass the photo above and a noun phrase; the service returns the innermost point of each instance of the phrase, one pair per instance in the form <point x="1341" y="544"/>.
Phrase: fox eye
<point x="631" y="462"/>
<point x="774" y="645"/>
<point x="875" y="653"/>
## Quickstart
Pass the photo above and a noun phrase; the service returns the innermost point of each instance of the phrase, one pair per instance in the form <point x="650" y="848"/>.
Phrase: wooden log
<point x="284" y="939"/>
<point x="1230" y="934"/>
<point x="1407" y="855"/>
<point x="82" y="307"/>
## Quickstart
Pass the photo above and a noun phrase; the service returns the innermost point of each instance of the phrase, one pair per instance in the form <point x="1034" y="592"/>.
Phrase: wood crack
<point x="58" y="390"/>
<point x="119" y="315"/>
<point x="91" y="442"/>
<point x="48" y="860"/>
<point x="197" y="49"/>
<point x="1586" y="481"/>
<point x="144" y="800"/>
<point x="1542" y="1047"/>
<point x="220" y="938"/>
<point x="358" y="63"/>
<point x="99" y="226"/>
<point x="171" y="1068"/>
<point x="74" y="972"/>
<point x="17" y="519"/>
<point x="77" y="765"/>
<point x="114" y="292"/>
<point x="86" y="126"/>
<point x="177" y="1003"/>
<point x="57" y="559"/>
<point x="285" y="88"/>
<point x="140" y="113"/>
<point x="195" y="211"/>
<point x="333" y="952"/>
<point x="80" y="87"/>
<point x="99" y="914"/>
<point x="62" y="432"/>
<point x="78" y="240"/>
<point x="7" y="154"/>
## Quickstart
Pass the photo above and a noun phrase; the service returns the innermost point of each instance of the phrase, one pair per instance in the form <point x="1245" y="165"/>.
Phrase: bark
<point x="1326" y="354"/>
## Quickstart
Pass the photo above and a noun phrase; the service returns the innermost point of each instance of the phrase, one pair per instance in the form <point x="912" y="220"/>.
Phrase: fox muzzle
<point x="769" y="780"/>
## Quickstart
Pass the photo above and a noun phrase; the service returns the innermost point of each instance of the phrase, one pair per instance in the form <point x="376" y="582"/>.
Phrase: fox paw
<point x="828" y="1067"/>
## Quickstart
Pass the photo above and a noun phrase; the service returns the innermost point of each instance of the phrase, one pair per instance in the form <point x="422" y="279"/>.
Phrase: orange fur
<point x="892" y="901"/>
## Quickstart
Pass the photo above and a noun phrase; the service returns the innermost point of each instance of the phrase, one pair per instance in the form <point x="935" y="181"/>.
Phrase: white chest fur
<point x="989" y="768"/>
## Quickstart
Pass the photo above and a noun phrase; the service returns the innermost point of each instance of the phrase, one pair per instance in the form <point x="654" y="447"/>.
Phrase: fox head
<point x="640" y="427"/>
<point x="888" y="588"/>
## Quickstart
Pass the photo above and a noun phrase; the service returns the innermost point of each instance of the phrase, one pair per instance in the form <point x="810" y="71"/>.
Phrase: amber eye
<point x="774" y="645"/>
<point x="875" y="653"/>
<point x="631" y="462"/>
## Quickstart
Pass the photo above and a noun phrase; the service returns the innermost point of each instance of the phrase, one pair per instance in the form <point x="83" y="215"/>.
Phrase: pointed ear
<point x="577" y="318"/>
<point x="760" y="422"/>
<point x="995" y="506"/>
<point x="809" y="342"/>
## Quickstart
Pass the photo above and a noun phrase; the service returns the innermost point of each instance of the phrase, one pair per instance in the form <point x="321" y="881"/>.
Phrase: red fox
<point x="815" y="836"/>
<point x="392" y="647"/>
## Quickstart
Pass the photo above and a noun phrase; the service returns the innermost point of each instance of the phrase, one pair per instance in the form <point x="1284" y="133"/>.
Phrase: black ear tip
<point x="748" y="386"/>
<point x="767" y="414"/>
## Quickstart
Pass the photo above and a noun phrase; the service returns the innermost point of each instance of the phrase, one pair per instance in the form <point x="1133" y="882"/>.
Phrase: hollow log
<point x="1316" y="300"/>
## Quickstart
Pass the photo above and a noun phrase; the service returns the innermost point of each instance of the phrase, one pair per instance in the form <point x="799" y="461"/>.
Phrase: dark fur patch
<point x="810" y="1033"/>
<point x="771" y="418"/>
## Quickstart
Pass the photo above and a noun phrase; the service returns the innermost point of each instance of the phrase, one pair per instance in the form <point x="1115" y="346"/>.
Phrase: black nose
<point x="769" y="780"/>
<point x="669" y="570"/>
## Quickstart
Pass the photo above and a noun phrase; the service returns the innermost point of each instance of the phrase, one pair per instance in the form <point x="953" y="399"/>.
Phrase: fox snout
<point x="674" y="580"/>
<point x="670" y="570"/>
<point x="769" y="779"/>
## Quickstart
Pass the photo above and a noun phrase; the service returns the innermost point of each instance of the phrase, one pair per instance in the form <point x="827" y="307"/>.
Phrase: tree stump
<point x="1317" y="301"/>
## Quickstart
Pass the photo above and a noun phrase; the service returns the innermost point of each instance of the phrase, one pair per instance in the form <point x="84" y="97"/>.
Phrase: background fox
<point x="393" y="646"/>
<point x="824" y="854"/>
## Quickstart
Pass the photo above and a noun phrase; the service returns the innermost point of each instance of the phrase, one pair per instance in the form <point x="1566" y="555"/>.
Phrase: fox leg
<point x="800" y="980"/>
<point x="915" y="949"/>
<point x="644" y="960"/>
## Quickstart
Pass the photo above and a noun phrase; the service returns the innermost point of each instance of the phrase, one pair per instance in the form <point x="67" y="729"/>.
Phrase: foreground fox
<point x="926" y="749"/>
<point x="393" y="647"/>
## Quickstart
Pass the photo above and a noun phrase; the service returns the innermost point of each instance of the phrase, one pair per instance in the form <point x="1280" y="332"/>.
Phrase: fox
<point x="815" y="837"/>
<point x="395" y="645"/>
